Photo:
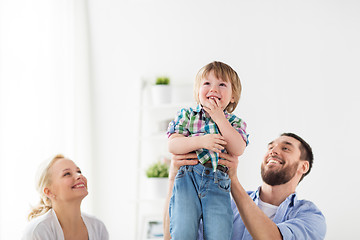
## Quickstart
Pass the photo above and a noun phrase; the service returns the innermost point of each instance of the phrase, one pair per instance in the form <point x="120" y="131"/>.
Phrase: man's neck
<point x="275" y="195"/>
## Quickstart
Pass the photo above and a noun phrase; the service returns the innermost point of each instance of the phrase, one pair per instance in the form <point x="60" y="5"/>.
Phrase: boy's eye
<point x="206" y="83"/>
<point x="222" y="84"/>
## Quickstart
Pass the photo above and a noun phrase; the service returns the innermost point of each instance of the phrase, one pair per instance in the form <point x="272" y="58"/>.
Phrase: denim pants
<point x="201" y="193"/>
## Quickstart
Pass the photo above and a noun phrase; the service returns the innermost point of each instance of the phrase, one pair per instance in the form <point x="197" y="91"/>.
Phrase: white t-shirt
<point x="268" y="209"/>
<point x="47" y="226"/>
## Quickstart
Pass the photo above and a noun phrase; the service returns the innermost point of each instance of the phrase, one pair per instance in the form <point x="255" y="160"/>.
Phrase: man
<point x="273" y="211"/>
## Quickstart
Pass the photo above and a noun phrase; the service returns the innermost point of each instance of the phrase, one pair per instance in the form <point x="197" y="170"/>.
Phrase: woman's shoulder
<point x="44" y="226"/>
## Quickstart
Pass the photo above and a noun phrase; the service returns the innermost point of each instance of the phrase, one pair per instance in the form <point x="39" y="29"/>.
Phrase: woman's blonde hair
<point x="224" y="72"/>
<point x="43" y="181"/>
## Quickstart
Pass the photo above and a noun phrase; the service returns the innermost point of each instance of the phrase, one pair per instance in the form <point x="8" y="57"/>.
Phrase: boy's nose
<point x="213" y="89"/>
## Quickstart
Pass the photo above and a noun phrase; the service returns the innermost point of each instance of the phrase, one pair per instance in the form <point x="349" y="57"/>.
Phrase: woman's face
<point x="66" y="182"/>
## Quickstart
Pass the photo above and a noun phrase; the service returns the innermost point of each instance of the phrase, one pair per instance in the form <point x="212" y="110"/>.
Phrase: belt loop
<point x="203" y="172"/>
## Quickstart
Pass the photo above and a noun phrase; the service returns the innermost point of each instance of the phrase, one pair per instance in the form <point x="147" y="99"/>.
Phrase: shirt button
<point x="207" y="171"/>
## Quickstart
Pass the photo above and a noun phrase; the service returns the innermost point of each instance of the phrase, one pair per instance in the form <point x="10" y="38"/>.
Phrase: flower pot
<point x="156" y="188"/>
<point x="161" y="94"/>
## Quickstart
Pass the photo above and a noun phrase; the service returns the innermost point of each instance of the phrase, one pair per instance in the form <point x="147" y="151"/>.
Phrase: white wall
<point x="44" y="100"/>
<point x="298" y="62"/>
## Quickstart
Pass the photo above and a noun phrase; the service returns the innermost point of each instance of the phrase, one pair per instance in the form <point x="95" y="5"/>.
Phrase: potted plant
<point x="161" y="91"/>
<point x="158" y="170"/>
<point x="157" y="179"/>
<point x="162" y="81"/>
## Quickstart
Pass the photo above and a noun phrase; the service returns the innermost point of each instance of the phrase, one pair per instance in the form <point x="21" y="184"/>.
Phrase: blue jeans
<point x="200" y="193"/>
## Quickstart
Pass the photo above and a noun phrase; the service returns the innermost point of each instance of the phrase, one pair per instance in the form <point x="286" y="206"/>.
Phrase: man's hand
<point x="231" y="162"/>
<point x="180" y="160"/>
<point x="213" y="142"/>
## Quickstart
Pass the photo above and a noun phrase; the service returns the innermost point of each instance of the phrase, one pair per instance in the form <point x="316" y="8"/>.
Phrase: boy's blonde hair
<point x="224" y="72"/>
<point x="43" y="181"/>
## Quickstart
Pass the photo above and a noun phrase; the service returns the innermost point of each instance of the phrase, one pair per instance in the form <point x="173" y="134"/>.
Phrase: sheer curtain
<point x="45" y="99"/>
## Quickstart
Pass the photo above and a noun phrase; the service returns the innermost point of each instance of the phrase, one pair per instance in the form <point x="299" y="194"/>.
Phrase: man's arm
<point x="176" y="162"/>
<point x="256" y="222"/>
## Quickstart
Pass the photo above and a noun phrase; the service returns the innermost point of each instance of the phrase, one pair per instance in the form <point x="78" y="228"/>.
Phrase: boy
<point x="203" y="190"/>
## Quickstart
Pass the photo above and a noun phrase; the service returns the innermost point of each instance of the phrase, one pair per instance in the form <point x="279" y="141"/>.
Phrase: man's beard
<point x="278" y="177"/>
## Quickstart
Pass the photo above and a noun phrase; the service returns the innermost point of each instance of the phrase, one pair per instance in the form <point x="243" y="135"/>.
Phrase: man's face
<point x="281" y="161"/>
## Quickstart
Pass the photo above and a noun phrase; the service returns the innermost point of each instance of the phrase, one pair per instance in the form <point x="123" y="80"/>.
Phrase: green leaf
<point x="158" y="170"/>
<point x="162" y="81"/>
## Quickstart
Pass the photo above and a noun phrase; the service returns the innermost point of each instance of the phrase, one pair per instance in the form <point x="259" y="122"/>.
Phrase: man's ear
<point x="305" y="166"/>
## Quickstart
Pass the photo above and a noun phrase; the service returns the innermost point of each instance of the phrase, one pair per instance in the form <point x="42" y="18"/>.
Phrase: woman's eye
<point x="66" y="174"/>
<point x="79" y="171"/>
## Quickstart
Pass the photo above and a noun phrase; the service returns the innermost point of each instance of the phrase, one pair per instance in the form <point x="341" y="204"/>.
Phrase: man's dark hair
<point x="305" y="149"/>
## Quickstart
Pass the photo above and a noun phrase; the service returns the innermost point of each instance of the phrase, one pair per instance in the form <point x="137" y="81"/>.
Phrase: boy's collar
<point x="198" y="108"/>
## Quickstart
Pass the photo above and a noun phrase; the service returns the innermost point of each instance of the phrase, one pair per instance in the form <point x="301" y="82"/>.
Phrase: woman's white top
<point x="47" y="226"/>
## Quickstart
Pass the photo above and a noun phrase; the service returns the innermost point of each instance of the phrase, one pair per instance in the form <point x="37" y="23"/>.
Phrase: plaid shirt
<point x="193" y="122"/>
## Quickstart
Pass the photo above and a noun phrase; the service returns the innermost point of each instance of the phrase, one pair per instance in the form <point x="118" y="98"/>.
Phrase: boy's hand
<point x="213" y="108"/>
<point x="213" y="142"/>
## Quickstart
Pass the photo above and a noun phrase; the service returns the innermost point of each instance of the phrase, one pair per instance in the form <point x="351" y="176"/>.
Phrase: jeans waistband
<point x="221" y="168"/>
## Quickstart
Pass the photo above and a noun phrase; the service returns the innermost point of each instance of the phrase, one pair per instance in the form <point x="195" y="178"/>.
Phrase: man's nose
<point x="274" y="151"/>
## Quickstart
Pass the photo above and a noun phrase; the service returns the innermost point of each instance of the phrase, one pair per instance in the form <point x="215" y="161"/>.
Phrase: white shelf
<point x="153" y="145"/>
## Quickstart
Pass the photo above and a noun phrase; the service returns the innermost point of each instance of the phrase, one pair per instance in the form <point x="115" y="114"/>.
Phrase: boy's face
<point x="214" y="88"/>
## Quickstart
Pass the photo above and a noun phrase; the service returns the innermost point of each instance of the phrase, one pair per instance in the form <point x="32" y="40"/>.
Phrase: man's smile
<point x="273" y="160"/>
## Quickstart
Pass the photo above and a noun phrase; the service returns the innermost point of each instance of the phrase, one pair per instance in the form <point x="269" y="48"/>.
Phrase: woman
<point x="62" y="188"/>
